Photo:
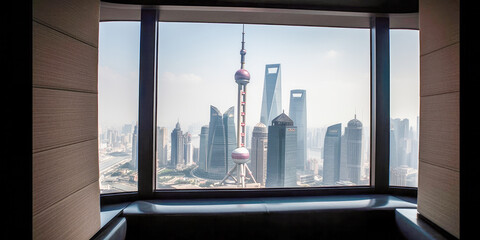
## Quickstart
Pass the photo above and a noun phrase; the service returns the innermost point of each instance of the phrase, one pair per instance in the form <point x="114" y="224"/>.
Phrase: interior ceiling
<point x="371" y="6"/>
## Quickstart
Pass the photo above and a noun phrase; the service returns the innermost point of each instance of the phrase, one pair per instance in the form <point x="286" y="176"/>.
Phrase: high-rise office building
<point x="272" y="94"/>
<point x="401" y="129"/>
<point x="161" y="147"/>
<point x="134" y="161"/>
<point x="230" y="137"/>
<point x="258" y="156"/>
<point x="187" y="149"/>
<point x="221" y="138"/>
<point x="298" y="113"/>
<point x="127" y="129"/>
<point x="177" y="159"/>
<point x="331" y="154"/>
<point x="203" y="149"/>
<point x="353" y="134"/>
<point x="281" y="154"/>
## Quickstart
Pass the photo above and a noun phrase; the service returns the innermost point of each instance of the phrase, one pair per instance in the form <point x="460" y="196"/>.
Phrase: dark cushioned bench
<point x="322" y="217"/>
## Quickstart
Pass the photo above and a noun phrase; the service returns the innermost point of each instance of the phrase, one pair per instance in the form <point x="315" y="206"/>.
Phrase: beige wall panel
<point x="60" y="61"/>
<point x="439" y="24"/>
<point x="440" y="71"/>
<point x="63" y="117"/>
<point x="440" y="130"/>
<point x="439" y="198"/>
<point x="75" y="217"/>
<point x="76" y="18"/>
<point x="62" y="171"/>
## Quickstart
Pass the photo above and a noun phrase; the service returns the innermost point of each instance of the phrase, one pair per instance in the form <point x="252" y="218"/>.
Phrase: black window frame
<point x="379" y="125"/>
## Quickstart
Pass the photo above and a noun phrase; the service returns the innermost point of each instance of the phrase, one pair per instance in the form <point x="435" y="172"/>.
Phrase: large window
<point x="255" y="106"/>
<point x="118" y="64"/>
<point x="318" y="77"/>
<point x="404" y="107"/>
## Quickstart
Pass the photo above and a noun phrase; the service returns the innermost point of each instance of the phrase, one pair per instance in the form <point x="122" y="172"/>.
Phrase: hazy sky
<point x="197" y="62"/>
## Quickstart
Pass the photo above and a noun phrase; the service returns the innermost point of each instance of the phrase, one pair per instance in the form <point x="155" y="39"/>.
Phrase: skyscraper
<point x="220" y="136"/>
<point x="203" y="149"/>
<point x="134" y="161"/>
<point x="298" y="113"/>
<point x="161" y="147"/>
<point x="230" y="137"/>
<point x="353" y="134"/>
<point x="258" y="154"/>
<point x="187" y="149"/>
<point x="272" y="94"/>
<point x="176" y="160"/>
<point x="281" y="154"/>
<point x="331" y="154"/>
<point x="400" y="128"/>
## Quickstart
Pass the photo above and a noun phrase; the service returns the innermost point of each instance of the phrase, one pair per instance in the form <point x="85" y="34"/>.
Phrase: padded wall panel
<point x="439" y="198"/>
<point x="60" y="61"/>
<point x="59" y="172"/>
<point x="439" y="24"/>
<point x="78" y="19"/>
<point x="440" y="130"/>
<point x="63" y="117"/>
<point x="75" y="217"/>
<point x="440" y="71"/>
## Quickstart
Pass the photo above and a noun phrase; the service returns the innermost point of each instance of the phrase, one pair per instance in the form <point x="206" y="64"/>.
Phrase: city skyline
<point x="335" y="74"/>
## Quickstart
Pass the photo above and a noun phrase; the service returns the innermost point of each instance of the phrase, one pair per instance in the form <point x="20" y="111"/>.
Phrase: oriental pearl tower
<point x="241" y="155"/>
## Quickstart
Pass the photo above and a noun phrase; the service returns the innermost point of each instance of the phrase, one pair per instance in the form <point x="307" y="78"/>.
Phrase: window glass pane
<point x="404" y="107"/>
<point x="318" y="77"/>
<point x="118" y="64"/>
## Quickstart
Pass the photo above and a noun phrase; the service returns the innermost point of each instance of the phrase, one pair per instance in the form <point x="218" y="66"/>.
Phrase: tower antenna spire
<point x="243" y="51"/>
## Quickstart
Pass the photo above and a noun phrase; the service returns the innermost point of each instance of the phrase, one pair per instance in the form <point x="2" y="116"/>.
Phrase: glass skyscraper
<point x="221" y="142"/>
<point x="176" y="160"/>
<point x="230" y="137"/>
<point x="272" y="94"/>
<point x="298" y="113"/>
<point x="353" y="135"/>
<point x="331" y="154"/>
<point x="282" y="152"/>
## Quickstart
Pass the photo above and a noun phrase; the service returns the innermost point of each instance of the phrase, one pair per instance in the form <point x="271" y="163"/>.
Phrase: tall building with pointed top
<point x="272" y="94"/>
<point x="331" y="154"/>
<point x="176" y="137"/>
<point x="282" y="152"/>
<point x="298" y="113"/>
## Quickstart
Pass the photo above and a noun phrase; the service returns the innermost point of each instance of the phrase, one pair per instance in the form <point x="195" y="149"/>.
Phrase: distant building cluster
<point x="283" y="151"/>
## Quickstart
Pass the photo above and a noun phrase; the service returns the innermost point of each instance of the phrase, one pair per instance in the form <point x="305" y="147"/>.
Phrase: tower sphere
<point x="240" y="155"/>
<point x="242" y="75"/>
<point x="243" y="52"/>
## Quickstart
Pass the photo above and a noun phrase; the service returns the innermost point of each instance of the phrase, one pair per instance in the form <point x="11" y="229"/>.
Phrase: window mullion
<point x="147" y="89"/>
